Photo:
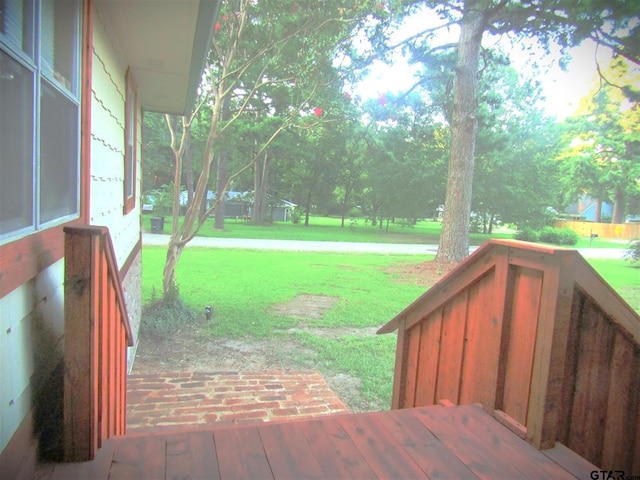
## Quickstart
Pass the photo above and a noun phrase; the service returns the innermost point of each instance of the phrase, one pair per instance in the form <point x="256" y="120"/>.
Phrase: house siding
<point x="31" y="343"/>
<point x="107" y="148"/>
<point x="107" y="168"/>
<point x="32" y="315"/>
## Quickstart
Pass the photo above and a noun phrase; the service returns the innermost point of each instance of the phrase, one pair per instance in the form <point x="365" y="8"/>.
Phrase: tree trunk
<point x="221" y="168"/>
<point x="598" y="215"/>
<point x="347" y="191"/>
<point x="260" y="186"/>
<point x="221" y="180"/>
<point x="454" y="240"/>
<point x="308" y="209"/>
<point x="617" y="216"/>
<point x="169" y="286"/>
<point x="188" y="166"/>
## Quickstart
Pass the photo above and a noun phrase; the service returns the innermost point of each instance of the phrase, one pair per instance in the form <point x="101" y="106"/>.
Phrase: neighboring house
<point x="585" y="209"/>
<point x="283" y="210"/>
<point x="240" y="205"/>
<point x="72" y="95"/>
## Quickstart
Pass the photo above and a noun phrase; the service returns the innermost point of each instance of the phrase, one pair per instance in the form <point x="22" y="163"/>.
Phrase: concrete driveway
<point x="339" y="247"/>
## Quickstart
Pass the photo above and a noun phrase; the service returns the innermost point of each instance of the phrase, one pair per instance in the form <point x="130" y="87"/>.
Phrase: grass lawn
<point x="623" y="277"/>
<point x="355" y="230"/>
<point x="243" y="286"/>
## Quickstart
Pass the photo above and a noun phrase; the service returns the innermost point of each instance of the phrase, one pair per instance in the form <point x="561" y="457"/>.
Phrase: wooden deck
<point x="427" y="442"/>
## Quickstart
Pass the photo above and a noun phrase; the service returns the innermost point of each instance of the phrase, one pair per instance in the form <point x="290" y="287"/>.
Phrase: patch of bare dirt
<point x="306" y="306"/>
<point x="425" y="273"/>
<point x="194" y="351"/>
<point x="334" y="332"/>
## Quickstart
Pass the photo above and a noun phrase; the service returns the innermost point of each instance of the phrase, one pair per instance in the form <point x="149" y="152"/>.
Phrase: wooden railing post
<point x="97" y="333"/>
<point x="81" y="332"/>
<point x="550" y="356"/>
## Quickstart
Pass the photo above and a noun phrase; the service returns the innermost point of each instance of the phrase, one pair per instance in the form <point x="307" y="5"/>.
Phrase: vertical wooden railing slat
<point x="96" y="275"/>
<point x="101" y="276"/>
<point x="111" y="359"/>
<point x="97" y="334"/>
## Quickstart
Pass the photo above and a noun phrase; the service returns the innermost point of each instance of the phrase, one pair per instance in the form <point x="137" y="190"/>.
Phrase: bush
<point x="526" y="234"/>
<point x="405" y="222"/>
<point x="566" y="236"/>
<point x="161" y="316"/>
<point x="550" y="235"/>
<point x="632" y="253"/>
<point x="476" y="224"/>
<point x="558" y="236"/>
<point x="355" y="212"/>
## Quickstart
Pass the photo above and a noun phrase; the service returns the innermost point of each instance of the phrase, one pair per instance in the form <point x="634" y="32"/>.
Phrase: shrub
<point x="405" y="222"/>
<point x="632" y="253"/>
<point x="550" y="235"/>
<point x="162" y="316"/>
<point x="558" y="236"/>
<point x="566" y="236"/>
<point x="355" y="212"/>
<point x="526" y="234"/>
<point x="476" y="224"/>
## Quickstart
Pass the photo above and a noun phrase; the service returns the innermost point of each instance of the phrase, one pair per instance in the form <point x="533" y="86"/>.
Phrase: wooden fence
<point x="538" y="338"/>
<point x="620" y="231"/>
<point x="97" y="333"/>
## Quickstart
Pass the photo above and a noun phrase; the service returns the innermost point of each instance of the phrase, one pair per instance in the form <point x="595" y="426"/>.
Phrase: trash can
<point x="157" y="224"/>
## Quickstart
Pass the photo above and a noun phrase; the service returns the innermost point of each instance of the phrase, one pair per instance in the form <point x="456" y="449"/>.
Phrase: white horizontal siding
<point x="31" y="343"/>
<point x="107" y="147"/>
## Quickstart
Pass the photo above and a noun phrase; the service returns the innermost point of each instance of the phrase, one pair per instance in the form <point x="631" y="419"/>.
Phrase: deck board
<point x="191" y="455"/>
<point x="531" y="462"/>
<point x="385" y="455"/>
<point x="426" y="442"/>
<point x="289" y="453"/>
<point x="482" y="456"/>
<point x="241" y="454"/>
<point x="139" y="457"/>
<point x="435" y="459"/>
<point x="335" y="451"/>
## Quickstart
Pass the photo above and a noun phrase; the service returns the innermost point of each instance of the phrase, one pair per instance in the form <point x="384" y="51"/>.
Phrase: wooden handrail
<point x="537" y="337"/>
<point x="97" y="333"/>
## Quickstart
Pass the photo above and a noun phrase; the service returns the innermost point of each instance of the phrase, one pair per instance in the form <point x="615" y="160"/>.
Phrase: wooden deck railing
<point x="97" y="333"/>
<point x="538" y="338"/>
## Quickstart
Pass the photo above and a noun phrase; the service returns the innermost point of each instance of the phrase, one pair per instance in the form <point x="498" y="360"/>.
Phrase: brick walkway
<point x="188" y="399"/>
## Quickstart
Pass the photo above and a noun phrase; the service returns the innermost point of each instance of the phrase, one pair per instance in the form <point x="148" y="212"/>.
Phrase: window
<point x="39" y="115"/>
<point x="16" y="24"/>
<point x="130" y="146"/>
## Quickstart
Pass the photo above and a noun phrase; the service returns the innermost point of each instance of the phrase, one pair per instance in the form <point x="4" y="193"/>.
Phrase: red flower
<point x="317" y="112"/>
<point x="294" y="8"/>
<point x="216" y="28"/>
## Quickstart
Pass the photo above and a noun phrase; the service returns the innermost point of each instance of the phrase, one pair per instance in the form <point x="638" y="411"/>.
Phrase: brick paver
<point x="197" y="398"/>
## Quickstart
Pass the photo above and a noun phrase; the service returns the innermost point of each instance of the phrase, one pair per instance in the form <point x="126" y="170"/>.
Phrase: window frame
<point x="27" y="253"/>
<point x="70" y="94"/>
<point x="130" y="145"/>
